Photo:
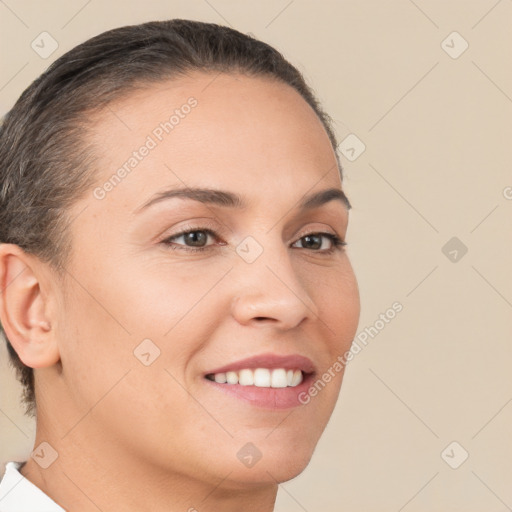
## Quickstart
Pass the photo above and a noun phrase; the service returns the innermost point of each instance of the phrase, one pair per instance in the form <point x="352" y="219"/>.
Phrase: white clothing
<point x="18" y="494"/>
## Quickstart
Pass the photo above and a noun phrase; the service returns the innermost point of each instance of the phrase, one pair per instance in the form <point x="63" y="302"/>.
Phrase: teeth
<point x="220" y="378"/>
<point x="246" y="378"/>
<point x="297" y="378"/>
<point x="232" y="377"/>
<point x="261" y="377"/>
<point x="278" y="379"/>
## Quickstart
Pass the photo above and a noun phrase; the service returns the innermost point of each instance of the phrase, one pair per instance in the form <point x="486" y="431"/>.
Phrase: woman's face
<point x="149" y="312"/>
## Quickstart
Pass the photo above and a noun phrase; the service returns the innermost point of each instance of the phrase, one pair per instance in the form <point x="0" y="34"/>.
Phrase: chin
<point x="273" y="469"/>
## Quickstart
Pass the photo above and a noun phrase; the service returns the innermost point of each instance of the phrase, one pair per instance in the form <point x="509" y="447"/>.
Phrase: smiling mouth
<point x="260" y="377"/>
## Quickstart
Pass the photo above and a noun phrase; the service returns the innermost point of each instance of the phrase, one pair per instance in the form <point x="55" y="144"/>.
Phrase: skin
<point x="158" y="437"/>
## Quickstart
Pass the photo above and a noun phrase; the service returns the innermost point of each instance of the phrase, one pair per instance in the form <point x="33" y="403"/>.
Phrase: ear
<point x="24" y="307"/>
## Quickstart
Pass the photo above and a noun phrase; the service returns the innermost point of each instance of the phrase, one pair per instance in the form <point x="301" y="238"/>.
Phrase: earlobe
<point x="24" y="311"/>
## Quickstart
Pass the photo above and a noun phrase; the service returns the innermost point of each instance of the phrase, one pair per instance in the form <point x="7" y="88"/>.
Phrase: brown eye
<point x="196" y="238"/>
<point x="314" y="241"/>
<point x="193" y="240"/>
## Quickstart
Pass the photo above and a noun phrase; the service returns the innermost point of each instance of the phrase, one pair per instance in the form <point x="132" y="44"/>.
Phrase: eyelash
<point x="337" y="243"/>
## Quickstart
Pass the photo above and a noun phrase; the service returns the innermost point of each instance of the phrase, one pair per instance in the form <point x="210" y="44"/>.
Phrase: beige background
<point x="438" y="134"/>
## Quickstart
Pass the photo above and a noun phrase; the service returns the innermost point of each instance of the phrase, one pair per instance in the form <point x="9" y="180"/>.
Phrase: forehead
<point x="209" y="129"/>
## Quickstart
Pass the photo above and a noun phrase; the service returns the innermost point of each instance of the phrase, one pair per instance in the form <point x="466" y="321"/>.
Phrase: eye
<point x="314" y="241"/>
<point x="195" y="240"/>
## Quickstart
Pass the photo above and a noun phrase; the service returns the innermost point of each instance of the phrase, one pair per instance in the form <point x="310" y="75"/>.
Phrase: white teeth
<point x="245" y="378"/>
<point x="278" y="379"/>
<point x="297" y="378"/>
<point x="261" y="377"/>
<point x="220" y="378"/>
<point x="232" y="377"/>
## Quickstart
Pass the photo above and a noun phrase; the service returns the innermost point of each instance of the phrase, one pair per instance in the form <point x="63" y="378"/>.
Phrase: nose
<point x="269" y="291"/>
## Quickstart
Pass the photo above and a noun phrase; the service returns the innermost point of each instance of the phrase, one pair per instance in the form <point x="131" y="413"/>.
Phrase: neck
<point x="93" y="473"/>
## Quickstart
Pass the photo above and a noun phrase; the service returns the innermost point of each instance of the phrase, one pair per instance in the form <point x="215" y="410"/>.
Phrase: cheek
<point x="176" y="305"/>
<point x="336" y="294"/>
<point x="94" y="349"/>
<point x="104" y="339"/>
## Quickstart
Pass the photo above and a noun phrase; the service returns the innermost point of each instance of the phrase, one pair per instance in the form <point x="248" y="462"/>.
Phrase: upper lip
<point x="268" y="360"/>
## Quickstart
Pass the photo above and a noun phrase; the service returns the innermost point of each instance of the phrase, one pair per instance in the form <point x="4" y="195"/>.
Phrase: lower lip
<point x="268" y="398"/>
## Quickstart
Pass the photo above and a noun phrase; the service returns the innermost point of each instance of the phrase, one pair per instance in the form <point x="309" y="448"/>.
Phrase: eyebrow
<point x="231" y="200"/>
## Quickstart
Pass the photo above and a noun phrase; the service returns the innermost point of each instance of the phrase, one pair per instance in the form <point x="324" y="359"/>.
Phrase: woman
<point x="173" y="270"/>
